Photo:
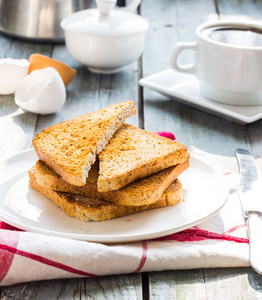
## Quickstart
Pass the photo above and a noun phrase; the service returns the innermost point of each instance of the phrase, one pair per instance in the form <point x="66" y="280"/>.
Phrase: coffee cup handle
<point x="178" y="49"/>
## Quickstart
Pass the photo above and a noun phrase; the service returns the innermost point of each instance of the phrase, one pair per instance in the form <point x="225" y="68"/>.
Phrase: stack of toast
<point x="96" y="167"/>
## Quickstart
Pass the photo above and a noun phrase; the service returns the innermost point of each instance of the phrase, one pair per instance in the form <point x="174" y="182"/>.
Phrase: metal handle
<point x="178" y="49"/>
<point x="254" y="224"/>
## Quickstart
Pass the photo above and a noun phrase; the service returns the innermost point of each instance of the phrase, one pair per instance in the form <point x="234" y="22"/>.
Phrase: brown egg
<point x="38" y="62"/>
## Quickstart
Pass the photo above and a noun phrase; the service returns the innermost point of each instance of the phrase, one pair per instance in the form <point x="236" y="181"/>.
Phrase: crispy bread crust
<point x="141" y="192"/>
<point x="133" y="153"/>
<point x="87" y="209"/>
<point x="70" y="147"/>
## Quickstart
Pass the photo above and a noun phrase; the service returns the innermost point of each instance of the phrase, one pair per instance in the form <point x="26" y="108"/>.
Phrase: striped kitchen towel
<point x="220" y="241"/>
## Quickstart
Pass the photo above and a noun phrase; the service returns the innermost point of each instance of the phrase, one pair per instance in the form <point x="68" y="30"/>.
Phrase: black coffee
<point x="235" y="35"/>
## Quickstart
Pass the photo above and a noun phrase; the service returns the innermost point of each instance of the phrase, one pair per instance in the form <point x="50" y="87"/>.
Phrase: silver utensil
<point x="250" y="194"/>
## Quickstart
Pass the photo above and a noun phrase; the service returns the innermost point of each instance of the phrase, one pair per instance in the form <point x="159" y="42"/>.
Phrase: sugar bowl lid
<point x="106" y="21"/>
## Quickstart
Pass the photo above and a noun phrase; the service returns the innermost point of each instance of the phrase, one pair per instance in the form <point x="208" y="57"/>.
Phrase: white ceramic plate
<point x="184" y="88"/>
<point x="204" y="193"/>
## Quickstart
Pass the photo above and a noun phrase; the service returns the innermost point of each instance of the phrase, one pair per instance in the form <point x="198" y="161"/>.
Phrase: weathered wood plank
<point x="236" y="9"/>
<point x="188" y="284"/>
<point x="13" y="119"/>
<point x="119" y="87"/>
<point x="170" y="22"/>
<point x="111" y="287"/>
<point x="233" y="284"/>
<point x="14" y="48"/>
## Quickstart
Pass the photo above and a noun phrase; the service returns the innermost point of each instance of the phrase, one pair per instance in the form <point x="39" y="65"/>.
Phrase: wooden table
<point x="170" y="21"/>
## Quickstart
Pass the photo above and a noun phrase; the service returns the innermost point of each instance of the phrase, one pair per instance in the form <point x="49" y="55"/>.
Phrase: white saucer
<point x="184" y="88"/>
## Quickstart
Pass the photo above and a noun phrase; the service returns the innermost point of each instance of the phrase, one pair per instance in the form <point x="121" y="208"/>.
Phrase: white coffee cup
<point x="228" y="61"/>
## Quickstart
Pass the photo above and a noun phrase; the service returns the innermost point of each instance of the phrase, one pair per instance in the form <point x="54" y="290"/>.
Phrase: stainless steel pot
<point x="37" y="20"/>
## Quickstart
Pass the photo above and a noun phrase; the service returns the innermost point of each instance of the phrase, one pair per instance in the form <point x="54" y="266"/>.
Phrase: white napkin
<point x="220" y="241"/>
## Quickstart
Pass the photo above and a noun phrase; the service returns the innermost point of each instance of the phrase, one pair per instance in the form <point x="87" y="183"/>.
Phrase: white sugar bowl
<point x="105" y="39"/>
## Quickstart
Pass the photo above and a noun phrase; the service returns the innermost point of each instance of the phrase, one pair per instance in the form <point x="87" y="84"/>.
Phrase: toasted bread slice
<point x="87" y="209"/>
<point x="141" y="192"/>
<point x="133" y="153"/>
<point x="70" y="148"/>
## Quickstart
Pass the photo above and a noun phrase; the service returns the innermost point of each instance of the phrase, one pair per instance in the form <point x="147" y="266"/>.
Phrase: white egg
<point x="12" y="71"/>
<point x="41" y="92"/>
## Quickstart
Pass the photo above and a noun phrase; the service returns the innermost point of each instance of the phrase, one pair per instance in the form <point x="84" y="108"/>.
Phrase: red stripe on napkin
<point x="234" y="228"/>
<point x="44" y="260"/>
<point x="6" y="258"/>
<point x="143" y="258"/>
<point x="6" y="226"/>
<point x="195" y="235"/>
